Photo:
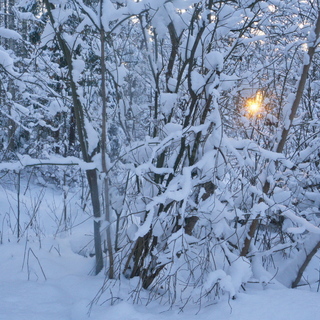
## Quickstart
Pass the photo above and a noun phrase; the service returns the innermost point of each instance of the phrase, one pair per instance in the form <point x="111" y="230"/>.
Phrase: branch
<point x="301" y="85"/>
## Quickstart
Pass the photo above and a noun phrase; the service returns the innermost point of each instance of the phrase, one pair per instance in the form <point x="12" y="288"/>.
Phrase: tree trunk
<point x="82" y="135"/>
<point x="286" y="129"/>
<point x="104" y="147"/>
<point x="309" y="255"/>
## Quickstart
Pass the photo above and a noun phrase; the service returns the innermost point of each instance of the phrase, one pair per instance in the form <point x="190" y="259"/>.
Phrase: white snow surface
<point x="9" y="34"/>
<point x="68" y="290"/>
<point x="43" y="277"/>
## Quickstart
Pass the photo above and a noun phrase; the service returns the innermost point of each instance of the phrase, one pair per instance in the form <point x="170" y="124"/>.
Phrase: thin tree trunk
<point x="300" y="89"/>
<point x="286" y="129"/>
<point x="82" y="135"/>
<point x="104" y="147"/>
<point x="305" y="263"/>
<point x="10" y="44"/>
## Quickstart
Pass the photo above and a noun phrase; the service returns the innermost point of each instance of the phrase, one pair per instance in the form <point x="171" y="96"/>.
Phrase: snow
<point x="167" y="102"/>
<point x="253" y="39"/>
<point x="287" y="110"/>
<point x="306" y="59"/>
<point x="68" y="291"/>
<point x="92" y="136"/>
<point x="61" y="16"/>
<point x="78" y="67"/>
<point x="160" y="20"/>
<point x="38" y="298"/>
<point x="108" y="14"/>
<point x="25" y="161"/>
<point x="49" y="276"/>
<point x="9" y="34"/>
<point x="119" y="73"/>
<point x="47" y="35"/>
<point x="48" y="272"/>
<point x="305" y="224"/>
<point x="198" y="81"/>
<point x="214" y="61"/>
<point x="6" y="61"/>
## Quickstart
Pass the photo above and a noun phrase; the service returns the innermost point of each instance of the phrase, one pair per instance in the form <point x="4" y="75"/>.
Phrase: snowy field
<point x="68" y="289"/>
<point x="42" y="277"/>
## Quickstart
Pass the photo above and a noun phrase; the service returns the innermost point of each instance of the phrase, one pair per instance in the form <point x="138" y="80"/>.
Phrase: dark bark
<point x="305" y="263"/>
<point x="300" y="89"/>
<point x="286" y="129"/>
<point x="82" y="135"/>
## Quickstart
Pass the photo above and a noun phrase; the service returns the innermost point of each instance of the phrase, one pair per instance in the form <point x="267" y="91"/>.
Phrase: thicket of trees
<point x="195" y="122"/>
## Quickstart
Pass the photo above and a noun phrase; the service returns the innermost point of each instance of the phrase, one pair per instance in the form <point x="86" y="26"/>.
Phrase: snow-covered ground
<point x="66" y="292"/>
<point x="42" y="277"/>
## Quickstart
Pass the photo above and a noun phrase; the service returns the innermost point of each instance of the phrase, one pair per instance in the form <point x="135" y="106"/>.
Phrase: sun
<point x="254" y="104"/>
<point x="253" y="107"/>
